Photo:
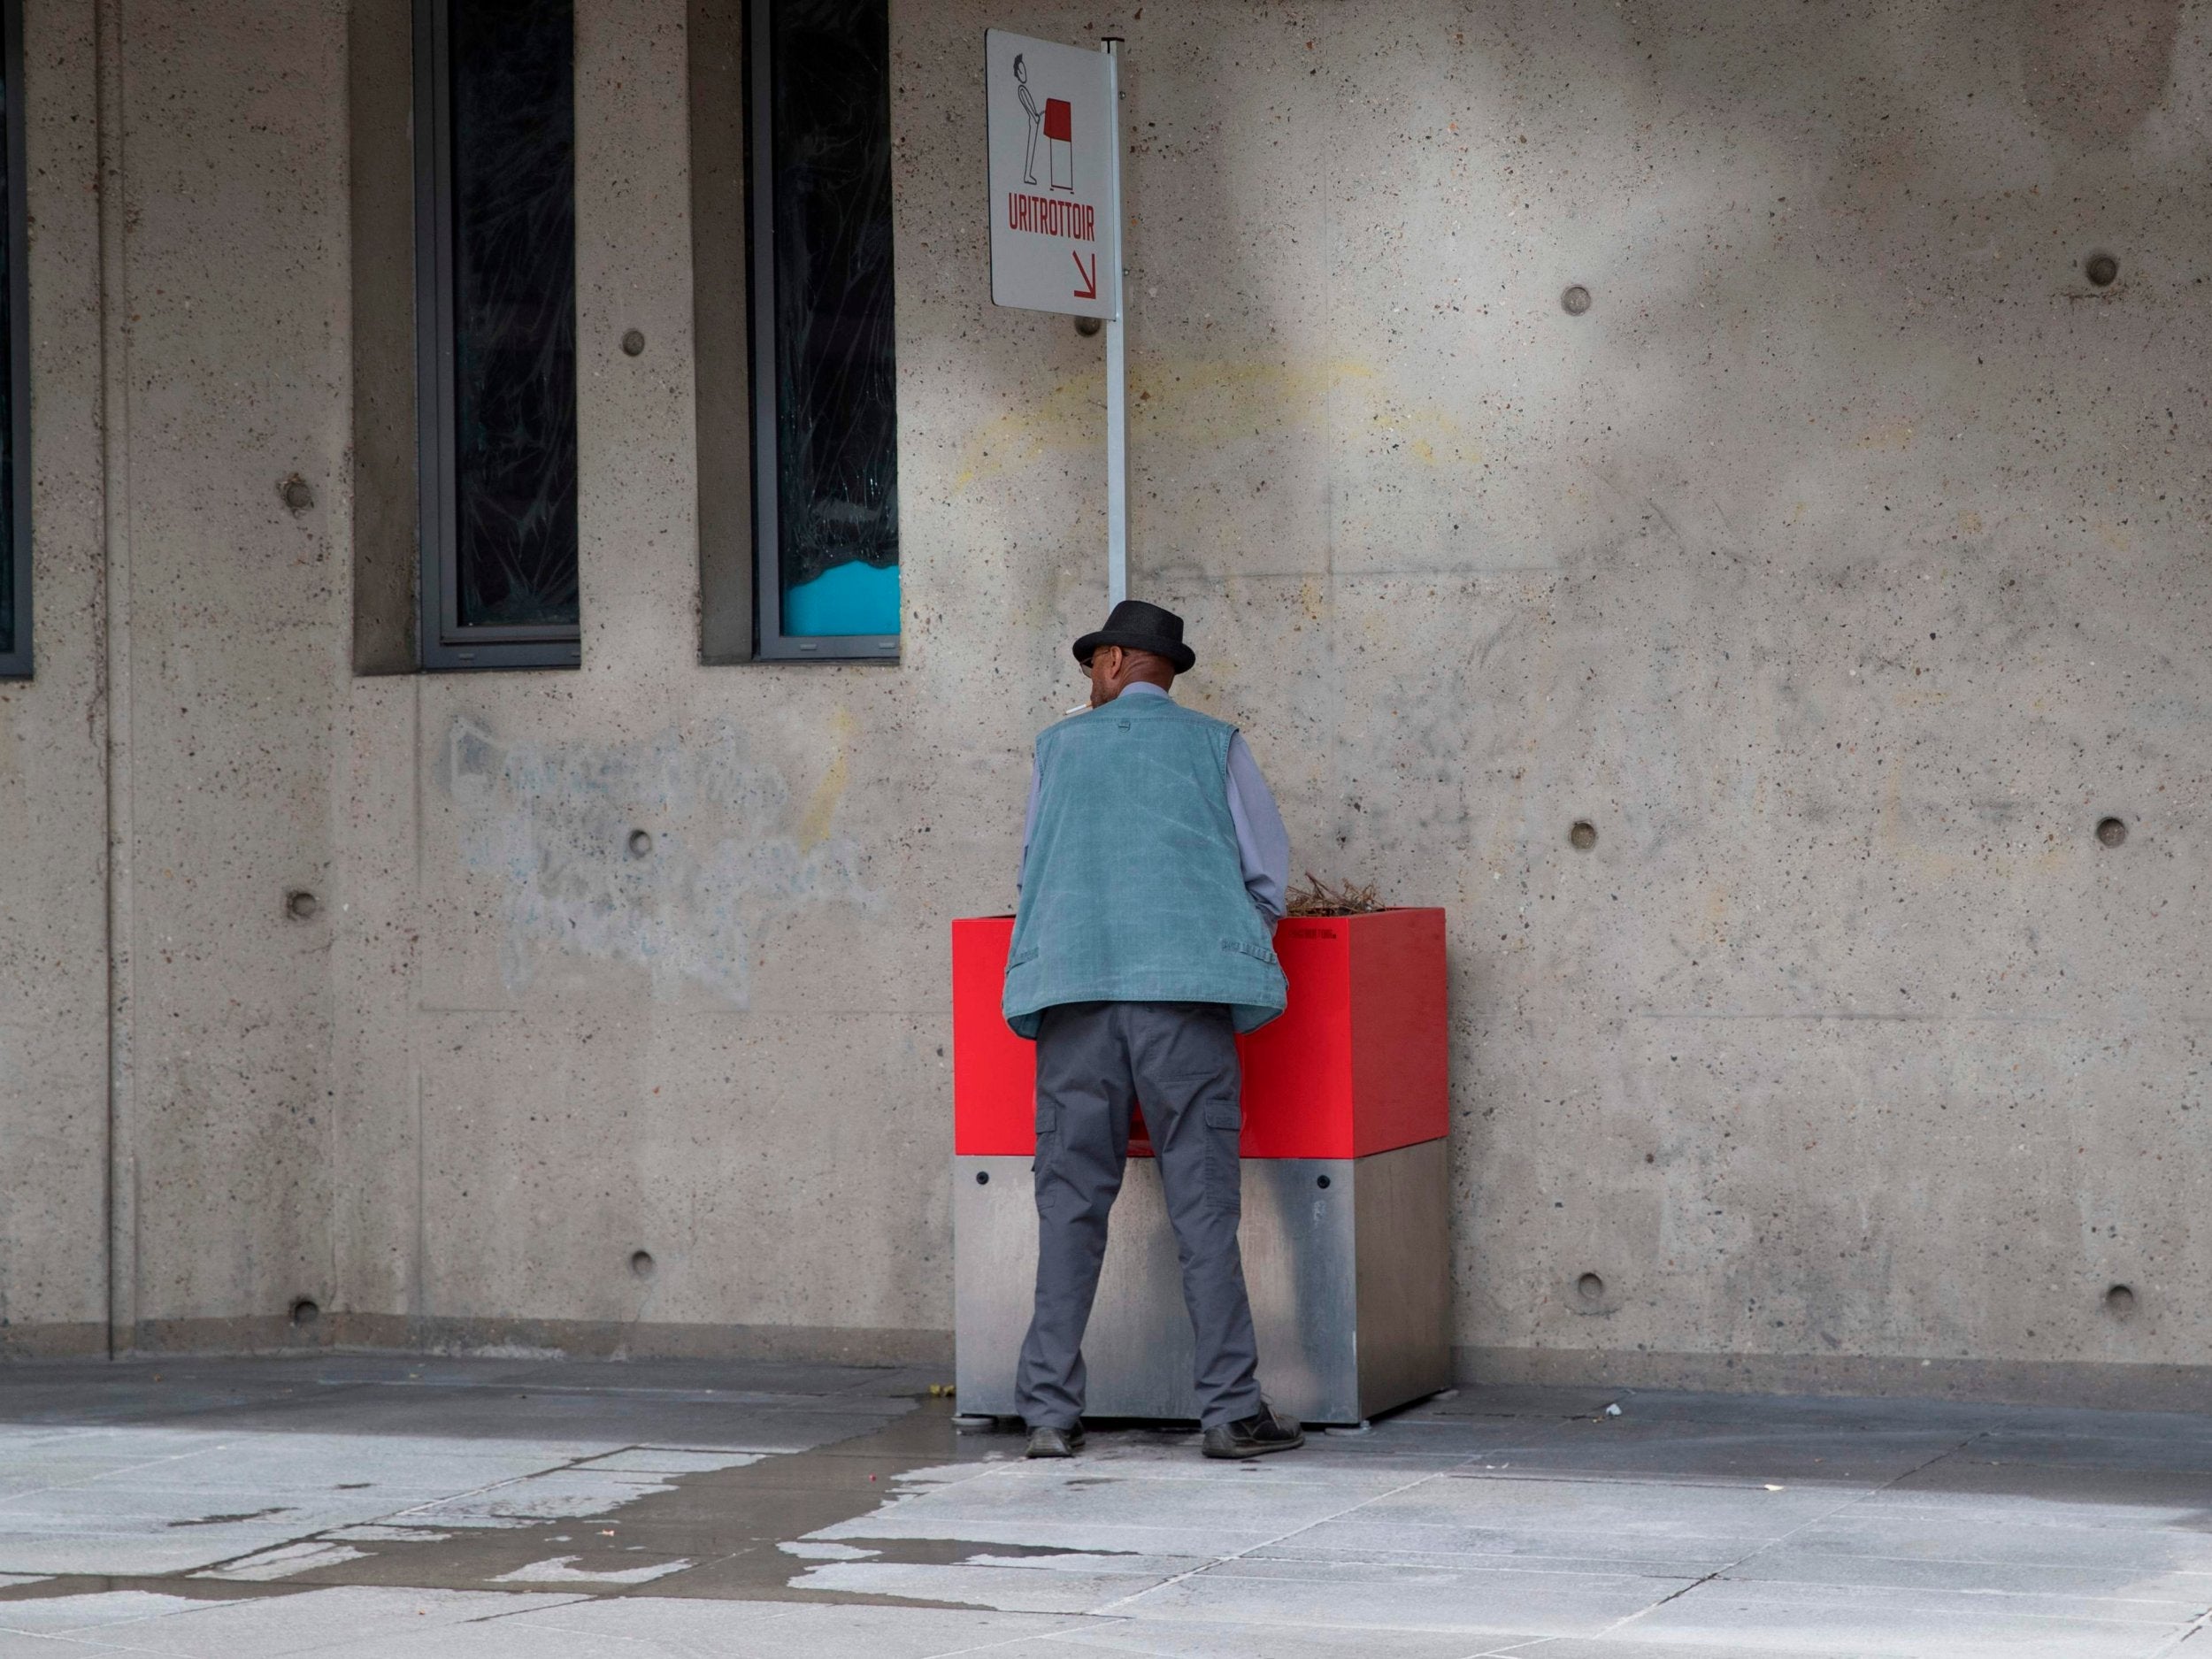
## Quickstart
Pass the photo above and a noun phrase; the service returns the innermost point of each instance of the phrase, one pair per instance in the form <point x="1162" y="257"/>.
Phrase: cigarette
<point x="1079" y="708"/>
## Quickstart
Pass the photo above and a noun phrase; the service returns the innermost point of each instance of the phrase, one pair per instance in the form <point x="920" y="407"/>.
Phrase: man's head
<point x="1115" y="668"/>
<point x="1140" y="642"/>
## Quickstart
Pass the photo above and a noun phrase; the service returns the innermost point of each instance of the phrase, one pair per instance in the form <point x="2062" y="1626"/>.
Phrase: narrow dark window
<point x="495" y="321"/>
<point x="15" y="366"/>
<point x="826" y="497"/>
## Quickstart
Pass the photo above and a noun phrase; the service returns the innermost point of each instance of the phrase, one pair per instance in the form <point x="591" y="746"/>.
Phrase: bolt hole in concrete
<point x="1590" y="1287"/>
<point x="632" y="344"/>
<point x="1321" y="1181"/>
<point x="1088" y="326"/>
<point x="642" y="1264"/>
<point x="640" y="843"/>
<point x="302" y="906"/>
<point x="1575" y="300"/>
<point x="2102" y="270"/>
<point x="2119" y="1301"/>
<point x="296" y="494"/>
<point x="983" y="1178"/>
<point x="1583" y="835"/>
<point x="2111" y="832"/>
<point x="304" y="1311"/>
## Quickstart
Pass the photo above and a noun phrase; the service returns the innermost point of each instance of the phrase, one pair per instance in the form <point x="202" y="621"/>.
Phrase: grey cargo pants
<point x="1095" y="1061"/>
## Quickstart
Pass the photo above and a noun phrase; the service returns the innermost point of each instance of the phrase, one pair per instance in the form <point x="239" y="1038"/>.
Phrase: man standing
<point x="1153" y="868"/>
<point x="1036" y="118"/>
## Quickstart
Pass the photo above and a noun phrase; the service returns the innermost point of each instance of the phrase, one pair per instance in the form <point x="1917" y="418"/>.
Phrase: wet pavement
<point x="362" y="1505"/>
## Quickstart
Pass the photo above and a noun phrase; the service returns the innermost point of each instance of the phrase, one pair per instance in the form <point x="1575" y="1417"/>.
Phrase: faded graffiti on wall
<point x="669" y="855"/>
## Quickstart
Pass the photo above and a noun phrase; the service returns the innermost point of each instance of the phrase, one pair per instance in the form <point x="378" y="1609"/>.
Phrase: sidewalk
<point x="488" y="1509"/>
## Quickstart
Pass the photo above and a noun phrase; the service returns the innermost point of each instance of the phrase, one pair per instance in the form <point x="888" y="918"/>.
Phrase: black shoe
<point x="1269" y="1430"/>
<point x="1054" y="1442"/>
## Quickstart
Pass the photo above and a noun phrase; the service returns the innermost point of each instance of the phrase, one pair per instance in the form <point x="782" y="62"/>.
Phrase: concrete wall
<point x="54" y="985"/>
<point x="1841" y="567"/>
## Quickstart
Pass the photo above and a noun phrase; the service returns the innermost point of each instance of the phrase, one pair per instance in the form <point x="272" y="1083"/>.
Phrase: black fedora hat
<point x="1135" y="625"/>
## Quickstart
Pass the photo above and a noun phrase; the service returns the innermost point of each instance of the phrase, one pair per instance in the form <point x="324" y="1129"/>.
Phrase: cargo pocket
<point x="1225" y="1184"/>
<point x="1047" y="1135"/>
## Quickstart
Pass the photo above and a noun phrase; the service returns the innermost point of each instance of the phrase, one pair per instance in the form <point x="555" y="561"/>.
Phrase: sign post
<point x="1117" y="368"/>
<point x="1055" y="134"/>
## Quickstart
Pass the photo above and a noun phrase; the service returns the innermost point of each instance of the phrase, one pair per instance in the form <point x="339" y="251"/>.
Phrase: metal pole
<point x="1117" y="368"/>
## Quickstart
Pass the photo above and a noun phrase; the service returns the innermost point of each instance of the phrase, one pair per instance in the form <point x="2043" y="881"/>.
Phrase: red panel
<point x="1298" y="1069"/>
<point x="994" y="1071"/>
<point x="1402" y="1045"/>
<point x="1356" y="1065"/>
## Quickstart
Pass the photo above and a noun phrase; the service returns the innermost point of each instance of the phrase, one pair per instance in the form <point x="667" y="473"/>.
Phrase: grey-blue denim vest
<point x="1134" y="891"/>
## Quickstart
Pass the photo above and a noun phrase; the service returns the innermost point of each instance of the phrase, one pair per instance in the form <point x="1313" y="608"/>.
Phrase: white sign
<point x="1055" y="220"/>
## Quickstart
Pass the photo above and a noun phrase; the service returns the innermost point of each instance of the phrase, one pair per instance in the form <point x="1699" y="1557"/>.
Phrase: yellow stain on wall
<point x="1932" y="866"/>
<point x="1938" y="867"/>
<point x="1895" y="436"/>
<point x="1192" y="404"/>
<point x="821" y="806"/>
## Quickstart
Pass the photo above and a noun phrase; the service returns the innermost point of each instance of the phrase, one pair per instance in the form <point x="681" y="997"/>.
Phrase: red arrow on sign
<point x="1090" y="277"/>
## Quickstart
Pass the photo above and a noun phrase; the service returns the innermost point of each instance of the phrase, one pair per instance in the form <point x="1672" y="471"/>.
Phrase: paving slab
<point x="1169" y="1510"/>
<point x="669" y="1460"/>
<point x="1579" y="1524"/>
<point x="772" y="1630"/>
<point x="1492" y="1440"/>
<point x="295" y="1461"/>
<point x="14" y="1645"/>
<point x="2181" y="1594"/>
<point x="589" y="1423"/>
<point x="1805" y="1618"/>
<point x="84" y="1548"/>
<point x="2046" y="1491"/>
<point x="1706" y="1452"/>
<point x="266" y="1626"/>
<point x="558" y="1494"/>
<point x="1008" y="1584"/>
<point x="1616" y="1646"/>
<point x="2169" y="1452"/>
<point x="1512" y="1399"/>
<point x="2073" y="1536"/>
<point x="1379" y="1597"/>
<point x="1166" y="1639"/>
<point x="60" y="1615"/>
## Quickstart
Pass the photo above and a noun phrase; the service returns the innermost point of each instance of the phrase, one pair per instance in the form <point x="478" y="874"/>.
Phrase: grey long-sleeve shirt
<point x="1262" y="843"/>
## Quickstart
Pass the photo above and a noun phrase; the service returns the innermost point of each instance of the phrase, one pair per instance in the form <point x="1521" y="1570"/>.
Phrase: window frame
<point x="16" y="663"/>
<point x="771" y="643"/>
<point x="444" y="641"/>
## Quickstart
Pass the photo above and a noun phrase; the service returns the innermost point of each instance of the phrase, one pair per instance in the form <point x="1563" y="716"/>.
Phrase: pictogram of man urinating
<point x="1054" y="123"/>
<point x="1036" y="119"/>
